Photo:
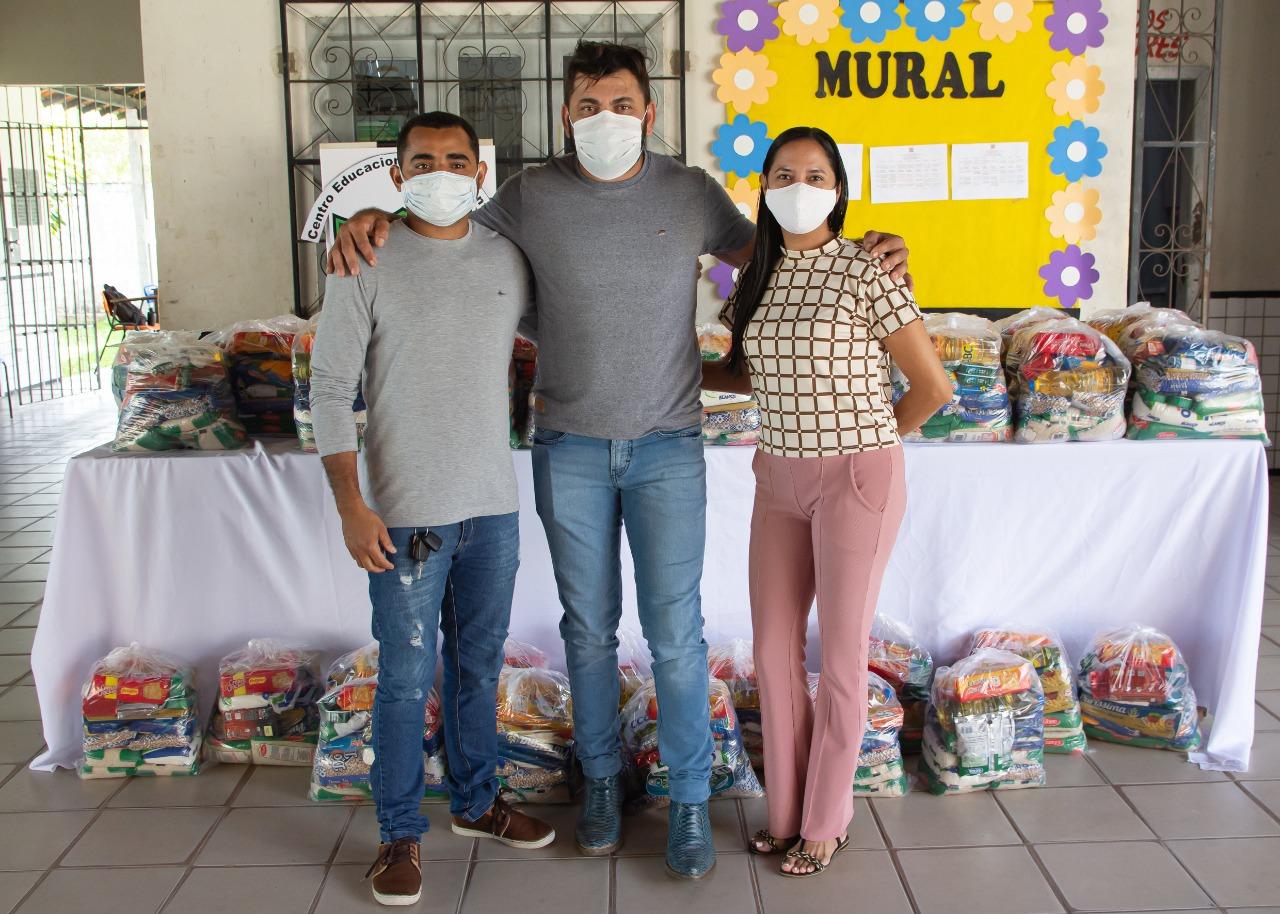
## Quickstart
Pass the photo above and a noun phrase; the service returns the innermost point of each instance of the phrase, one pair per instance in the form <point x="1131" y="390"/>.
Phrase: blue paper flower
<point x="741" y="145"/>
<point x="870" y="20"/>
<point x="1076" y="151"/>
<point x="934" y="18"/>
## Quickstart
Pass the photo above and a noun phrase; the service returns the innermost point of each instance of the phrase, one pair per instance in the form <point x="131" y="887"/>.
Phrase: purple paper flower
<point x="1069" y="276"/>
<point x="747" y="23"/>
<point x="1076" y="25"/>
<point x="725" y="276"/>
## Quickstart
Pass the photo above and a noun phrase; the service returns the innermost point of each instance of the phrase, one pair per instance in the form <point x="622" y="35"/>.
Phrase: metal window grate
<point x="355" y="71"/>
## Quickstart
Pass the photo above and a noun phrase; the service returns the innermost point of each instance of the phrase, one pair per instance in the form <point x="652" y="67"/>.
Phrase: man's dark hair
<point x="597" y="59"/>
<point x="436" y="120"/>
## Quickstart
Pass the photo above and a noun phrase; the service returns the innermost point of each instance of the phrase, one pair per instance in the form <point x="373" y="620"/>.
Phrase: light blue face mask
<point x="440" y="197"/>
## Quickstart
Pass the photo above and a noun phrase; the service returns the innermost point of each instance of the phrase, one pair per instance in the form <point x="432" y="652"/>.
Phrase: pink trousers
<point x="824" y="527"/>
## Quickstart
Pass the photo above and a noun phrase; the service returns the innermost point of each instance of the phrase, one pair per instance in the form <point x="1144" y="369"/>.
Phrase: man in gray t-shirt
<point x="613" y="234"/>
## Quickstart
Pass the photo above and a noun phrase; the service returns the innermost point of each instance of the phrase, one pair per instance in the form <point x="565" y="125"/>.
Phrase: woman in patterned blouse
<point x="815" y="320"/>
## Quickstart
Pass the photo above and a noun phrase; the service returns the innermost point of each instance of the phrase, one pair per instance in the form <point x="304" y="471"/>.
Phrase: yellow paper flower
<point x="1002" y="19"/>
<point x="1076" y="88"/>
<point x="809" y="20"/>
<point x="1074" y="214"/>
<point x="744" y="79"/>
<point x="745" y="197"/>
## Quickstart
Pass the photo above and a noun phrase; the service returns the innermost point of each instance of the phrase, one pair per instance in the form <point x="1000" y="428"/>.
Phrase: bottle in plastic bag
<point x="1135" y="689"/>
<point x="1068" y="383"/>
<point x="731" y="772"/>
<point x="303" y="344"/>
<point x="970" y="350"/>
<point x="175" y="395"/>
<point x="140" y="716"/>
<point x="984" y="726"/>
<point x="1063" y="727"/>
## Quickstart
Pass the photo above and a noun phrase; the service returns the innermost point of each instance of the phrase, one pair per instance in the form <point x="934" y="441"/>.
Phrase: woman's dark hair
<point x="755" y="276"/>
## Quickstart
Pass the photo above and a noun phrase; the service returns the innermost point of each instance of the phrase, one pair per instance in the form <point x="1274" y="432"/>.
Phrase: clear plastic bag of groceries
<point x="1008" y="326"/>
<point x="733" y="663"/>
<point x="1063" y="727"/>
<point x="521" y="655"/>
<point x="1194" y="383"/>
<point x="896" y="654"/>
<point x="135" y="340"/>
<point x="1135" y="689"/>
<point x="1068" y="383"/>
<point x="985" y="725"/>
<point x="268" y="673"/>
<point x="731" y="771"/>
<point x="361" y="663"/>
<point x="535" y="698"/>
<point x="303" y="345"/>
<point x="730" y="419"/>
<point x="635" y="664"/>
<point x="260" y="363"/>
<point x="176" y="395"/>
<point x="880" y="770"/>
<point x="970" y="350"/>
<point x="522" y="380"/>
<point x="714" y="342"/>
<point x="136" y="683"/>
<point x="1117" y="324"/>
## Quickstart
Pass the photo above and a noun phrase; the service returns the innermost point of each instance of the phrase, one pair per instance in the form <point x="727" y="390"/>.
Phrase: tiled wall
<point x="1257" y="319"/>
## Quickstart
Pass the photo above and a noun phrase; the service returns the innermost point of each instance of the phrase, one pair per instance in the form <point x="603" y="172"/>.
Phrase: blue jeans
<point x="586" y="489"/>
<point x="465" y="590"/>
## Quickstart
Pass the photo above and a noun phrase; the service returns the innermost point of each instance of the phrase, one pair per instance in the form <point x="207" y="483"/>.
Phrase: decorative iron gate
<point x="1174" y="152"/>
<point x="355" y="71"/>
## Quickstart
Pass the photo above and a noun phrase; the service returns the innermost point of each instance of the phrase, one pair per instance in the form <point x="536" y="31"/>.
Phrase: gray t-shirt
<point x="615" y="267"/>
<point x="431" y="329"/>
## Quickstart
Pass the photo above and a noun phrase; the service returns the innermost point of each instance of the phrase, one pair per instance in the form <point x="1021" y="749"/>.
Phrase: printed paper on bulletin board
<point x="989" y="74"/>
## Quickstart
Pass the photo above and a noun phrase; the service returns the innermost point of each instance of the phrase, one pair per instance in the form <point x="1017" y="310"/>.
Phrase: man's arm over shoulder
<point x="338" y="357"/>
<point x="727" y="233"/>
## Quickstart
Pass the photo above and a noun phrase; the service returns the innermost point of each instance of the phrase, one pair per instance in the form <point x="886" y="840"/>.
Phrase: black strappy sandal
<point x="776" y="845"/>
<point x="806" y="857"/>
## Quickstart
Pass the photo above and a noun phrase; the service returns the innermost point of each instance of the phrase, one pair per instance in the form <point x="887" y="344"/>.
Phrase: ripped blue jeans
<point x="465" y="590"/>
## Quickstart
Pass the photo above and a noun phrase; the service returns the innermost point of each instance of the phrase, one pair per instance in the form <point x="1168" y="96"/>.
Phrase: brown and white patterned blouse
<point x="815" y="349"/>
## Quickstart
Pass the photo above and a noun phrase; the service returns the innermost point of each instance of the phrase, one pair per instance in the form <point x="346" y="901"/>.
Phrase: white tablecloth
<point x="195" y="553"/>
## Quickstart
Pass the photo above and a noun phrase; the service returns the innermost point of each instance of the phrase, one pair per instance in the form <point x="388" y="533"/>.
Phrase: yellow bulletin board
<point x="991" y="71"/>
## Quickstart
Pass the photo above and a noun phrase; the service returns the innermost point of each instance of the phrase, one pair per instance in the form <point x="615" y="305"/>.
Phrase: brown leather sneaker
<point x="397" y="873"/>
<point x="509" y="825"/>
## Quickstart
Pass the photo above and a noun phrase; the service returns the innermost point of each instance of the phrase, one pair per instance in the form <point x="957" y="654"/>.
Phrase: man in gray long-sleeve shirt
<point x="430" y="330"/>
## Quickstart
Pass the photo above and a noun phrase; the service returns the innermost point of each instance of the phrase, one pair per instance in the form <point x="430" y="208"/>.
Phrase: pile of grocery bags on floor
<point x="880" y="771"/>
<point x="895" y="654"/>
<point x="970" y="350"/>
<point x="344" y="750"/>
<point x="1135" y="689"/>
<point x="985" y="725"/>
<point x="140" y="716"/>
<point x="303" y="343"/>
<point x="267" y="712"/>
<point x="174" y="394"/>
<point x="1063" y="727"/>
<point x="731" y="771"/>
<point x="734" y="665"/>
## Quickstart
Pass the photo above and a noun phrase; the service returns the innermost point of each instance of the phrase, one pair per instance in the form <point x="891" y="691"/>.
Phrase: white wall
<point x="218" y="160"/>
<point x="1246" y="205"/>
<point x="58" y="42"/>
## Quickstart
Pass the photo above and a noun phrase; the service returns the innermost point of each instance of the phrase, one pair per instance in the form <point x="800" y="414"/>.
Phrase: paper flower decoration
<point x="740" y="146"/>
<point x="745" y="197"/>
<point x="744" y="79"/>
<point x="1076" y="88"/>
<point x="1076" y="152"/>
<point x="809" y="20"/>
<point x="934" y="18"/>
<point x="747" y="23"/>
<point x="1074" y="214"/>
<point x="1069" y="276"/>
<point x="870" y="20"/>
<point x="1076" y="25"/>
<point x="725" y="278"/>
<point x="1003" y="19"/>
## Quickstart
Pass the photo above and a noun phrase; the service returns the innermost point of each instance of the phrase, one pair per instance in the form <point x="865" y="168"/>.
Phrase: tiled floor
<point x="1120" y="829"/>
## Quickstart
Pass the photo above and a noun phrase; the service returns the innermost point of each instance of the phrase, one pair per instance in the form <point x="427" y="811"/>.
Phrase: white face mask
<point x="440" y="197"/>
<point x="608" y="144"/>
<point x="800" y="208"/>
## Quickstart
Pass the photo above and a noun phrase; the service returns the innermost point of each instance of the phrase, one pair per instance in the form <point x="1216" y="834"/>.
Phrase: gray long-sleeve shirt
<point x="430" y="329"/>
